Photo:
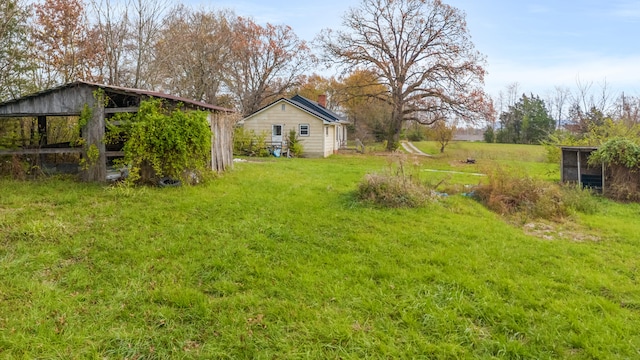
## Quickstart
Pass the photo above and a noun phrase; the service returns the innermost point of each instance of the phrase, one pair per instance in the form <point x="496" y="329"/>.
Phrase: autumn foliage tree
<point x="314" y="85"/>
<point x="265" y="62"/>
<point x="442" y="132"/>
<point x="64" y="43"/>
<point x="421" y="51"/>
<point x="363" y="99"/>
<point x="192" y="52"/>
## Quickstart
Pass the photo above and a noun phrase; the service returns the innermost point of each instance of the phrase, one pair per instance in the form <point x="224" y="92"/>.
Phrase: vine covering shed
<point x="99" y="103"/>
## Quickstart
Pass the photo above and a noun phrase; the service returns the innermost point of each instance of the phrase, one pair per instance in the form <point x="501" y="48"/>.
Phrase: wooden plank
<point x="63" y="101"/>
<point x="133" y="109"/>
<point x="114" y="153"/>
<point x="93" y="134"/>
<point x="42" y="151"/>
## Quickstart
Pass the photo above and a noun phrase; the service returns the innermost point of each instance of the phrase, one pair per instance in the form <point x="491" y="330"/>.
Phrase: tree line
<point x="401" y="60"/>
<point x="210" y="56"/>
<point x="563" y="116"/>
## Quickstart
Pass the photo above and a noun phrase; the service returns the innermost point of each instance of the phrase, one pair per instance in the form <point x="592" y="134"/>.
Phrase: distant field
<point x="277" y="259"/>
<point x="525" y="160"/>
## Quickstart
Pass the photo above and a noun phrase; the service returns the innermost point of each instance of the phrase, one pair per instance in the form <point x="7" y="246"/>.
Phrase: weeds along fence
<point x="622" y="183"/>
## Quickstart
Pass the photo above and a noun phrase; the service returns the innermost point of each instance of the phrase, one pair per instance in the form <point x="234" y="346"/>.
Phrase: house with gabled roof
<point x="321" y="131"/>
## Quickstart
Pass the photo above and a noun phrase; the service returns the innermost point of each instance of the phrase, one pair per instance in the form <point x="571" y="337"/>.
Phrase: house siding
<point x="329" y="140"/>
<point x="314" y="145"/>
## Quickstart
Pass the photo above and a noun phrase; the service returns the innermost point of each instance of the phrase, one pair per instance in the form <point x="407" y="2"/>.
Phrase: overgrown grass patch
<point x="516" y="158"/>
<point x="277" y="259"/>
<point x="523" y="199"/>
<point x="398" y="186"/>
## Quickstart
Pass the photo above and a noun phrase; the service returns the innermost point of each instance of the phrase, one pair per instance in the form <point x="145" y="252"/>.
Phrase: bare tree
<point x="557" y="104"/>
<point x="112" y="25"/>
<point x="192" y="52"/>
<point x="421" y="51"/>
<point x="147" y="22"/>
<point x="627" y="108"/>
<point x="265" y="62"/>
<point x="513" y="94"/>
<point x="583" y="96"/>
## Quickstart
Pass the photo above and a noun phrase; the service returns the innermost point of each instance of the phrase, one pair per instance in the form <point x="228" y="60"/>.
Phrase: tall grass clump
<point x="394" y="188"/>
<point x="508" y="194"/>
<point x="579" y="199"/>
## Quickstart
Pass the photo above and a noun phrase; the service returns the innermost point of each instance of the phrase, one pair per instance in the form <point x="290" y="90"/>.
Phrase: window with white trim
<point x="304" y="129"/>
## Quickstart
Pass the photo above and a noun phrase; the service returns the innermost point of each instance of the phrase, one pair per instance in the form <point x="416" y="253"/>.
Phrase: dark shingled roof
<point x="316" y="109"/>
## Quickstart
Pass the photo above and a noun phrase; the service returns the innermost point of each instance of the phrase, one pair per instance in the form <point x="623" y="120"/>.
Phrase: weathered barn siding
<point x="57" y="103"/>
<point x="283" y="113"/>
<point x="71" y="99"/>
<point x="221" y="141"/>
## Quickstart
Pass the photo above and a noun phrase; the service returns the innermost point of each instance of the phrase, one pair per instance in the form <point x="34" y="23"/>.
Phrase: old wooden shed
<point x="575" y="167"/>
<point x="103" y="101"/>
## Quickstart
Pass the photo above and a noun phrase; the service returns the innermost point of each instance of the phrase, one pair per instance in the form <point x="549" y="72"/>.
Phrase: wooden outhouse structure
<point x="575" y="167"/>
<point x="102" y="102"/>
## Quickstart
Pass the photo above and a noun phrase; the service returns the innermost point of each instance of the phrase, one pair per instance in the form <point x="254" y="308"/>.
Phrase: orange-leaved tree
<point x="64" y="43"/>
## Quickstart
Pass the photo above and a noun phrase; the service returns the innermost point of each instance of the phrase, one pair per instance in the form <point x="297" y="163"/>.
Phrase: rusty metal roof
<point x="126" y="90"/>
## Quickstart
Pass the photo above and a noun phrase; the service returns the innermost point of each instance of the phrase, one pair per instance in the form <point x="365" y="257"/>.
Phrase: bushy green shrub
<point x="617" y="151"/>
<point x="621" y="157"/>
<point x="294" y="144"/>
<point x="248" y="143"/>
<point x="416" y="133"/>
<point x="489" y="135"/>
<point x="164" y="142"/>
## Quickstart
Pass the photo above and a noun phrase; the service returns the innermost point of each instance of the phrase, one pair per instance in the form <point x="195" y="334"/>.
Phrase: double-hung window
<point x="304" y="130"/>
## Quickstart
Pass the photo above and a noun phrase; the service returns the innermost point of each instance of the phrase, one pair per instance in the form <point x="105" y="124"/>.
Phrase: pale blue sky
<point x="539" y="44"/>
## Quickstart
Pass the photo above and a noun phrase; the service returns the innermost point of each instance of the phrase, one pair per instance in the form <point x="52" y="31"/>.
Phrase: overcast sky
<point x="539" y="44"/>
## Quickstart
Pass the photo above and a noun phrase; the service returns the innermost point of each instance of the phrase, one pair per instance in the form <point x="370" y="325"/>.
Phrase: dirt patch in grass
<point x="556" y="231"/>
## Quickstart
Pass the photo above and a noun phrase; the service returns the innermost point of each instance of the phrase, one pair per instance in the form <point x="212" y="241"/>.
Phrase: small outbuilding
<point x="321" y="131"/>
<point x="575" y="167"/>
<point x="98" y="103"/>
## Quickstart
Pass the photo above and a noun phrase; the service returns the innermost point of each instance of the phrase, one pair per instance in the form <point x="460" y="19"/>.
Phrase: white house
<point x="321" y="131"/>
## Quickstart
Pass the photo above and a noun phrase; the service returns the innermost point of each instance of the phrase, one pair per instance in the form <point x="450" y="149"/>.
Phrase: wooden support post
<point x="221" y="141"/>
<point x="42" y="130"/>
<point x="579" y="170"/>
<point x="94" y="148"/>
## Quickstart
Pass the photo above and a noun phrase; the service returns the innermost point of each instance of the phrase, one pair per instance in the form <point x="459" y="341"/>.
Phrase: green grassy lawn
<point x="277" y="259"/>
<point x="527" y="160"/>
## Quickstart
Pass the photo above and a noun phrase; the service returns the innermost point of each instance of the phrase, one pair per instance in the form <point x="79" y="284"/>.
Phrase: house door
<point x="276" y="134"/>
